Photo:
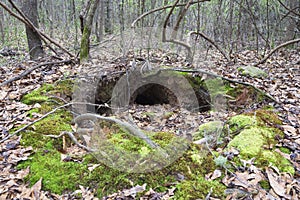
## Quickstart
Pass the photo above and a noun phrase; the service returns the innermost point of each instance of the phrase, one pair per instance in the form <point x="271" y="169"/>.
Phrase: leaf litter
<point x="282" y="82"/>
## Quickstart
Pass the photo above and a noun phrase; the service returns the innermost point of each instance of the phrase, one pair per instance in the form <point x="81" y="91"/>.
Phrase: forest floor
<point x="282" y="82"/>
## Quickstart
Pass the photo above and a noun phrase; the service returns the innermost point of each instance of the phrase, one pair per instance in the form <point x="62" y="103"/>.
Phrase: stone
<point x="252" y="71"/>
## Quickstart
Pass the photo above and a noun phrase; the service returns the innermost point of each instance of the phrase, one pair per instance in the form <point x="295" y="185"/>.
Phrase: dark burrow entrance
<point x="153" y="94"/>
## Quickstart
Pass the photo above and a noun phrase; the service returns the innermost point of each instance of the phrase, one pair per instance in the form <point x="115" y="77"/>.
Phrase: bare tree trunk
<point x="85" y="40"/>
<point x="74" y="14"/>
<point x="100" y="22"/>
<point x="34" y="41"/>
<point x="108" y="20"/>
<point x="1" y="26"/>
<point x="292" y="20"/>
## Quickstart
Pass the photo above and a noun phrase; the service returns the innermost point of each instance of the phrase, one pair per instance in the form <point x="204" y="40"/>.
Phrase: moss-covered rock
<point x="211" y="131"/>
<point x="252" y="71"/>
<point x="257" y="139"/>
<point x="250" y="141"/>
<point x="210" y="127"/>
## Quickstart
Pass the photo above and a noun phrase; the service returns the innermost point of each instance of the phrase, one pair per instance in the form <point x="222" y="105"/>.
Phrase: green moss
<point x="250" y="141"/>
<point x="199" y="188"/>
<point x="215" y="87"/>
<point x="285" y="150"/>
<point x="268" y="107"/>
<point x="268" y="117"/>
<point x="58" y="176"/>
<point x="54" y="124"/>
<point x="240" y="122"/>
<point x="38" y="95"/>
<point x="265" y="185"/>
<point x="32" y="111"/>
<point x="195" y="162"/>
<point x="63" y="88"/>
<point x="112" y="180"/>
<point x="126" y="141"/>
<point x="36" y="140"/>
<point x="45" y="108"/>
<point x="267" y="157"/>
<point x="207" y="129"/>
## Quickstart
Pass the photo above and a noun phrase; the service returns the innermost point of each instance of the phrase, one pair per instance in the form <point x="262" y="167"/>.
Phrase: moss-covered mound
<point x="257" y="138"/>
<point x="59" y="175"/>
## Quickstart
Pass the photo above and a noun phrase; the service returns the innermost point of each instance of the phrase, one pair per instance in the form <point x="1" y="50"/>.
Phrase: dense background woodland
<point x="63" y="64"/>
<point x="234" y="25"/>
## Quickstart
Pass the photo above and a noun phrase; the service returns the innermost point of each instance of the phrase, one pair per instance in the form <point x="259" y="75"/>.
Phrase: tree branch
<point x="289" y="9"/>
<point x="35" y="121"/>
<point x="212" y="42"/>
<point x="180" y="17"/>
<point x="73" y="138"/>
<point x="132" y="130"/>
<point x="172" y="40"/>
<point x="161" y="8"/>
<point x="32" y="69"/>
<point x="275" y="49"/>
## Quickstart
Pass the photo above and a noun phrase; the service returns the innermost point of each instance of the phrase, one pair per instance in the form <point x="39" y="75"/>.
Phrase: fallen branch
<point x="20" y="76"/>
<point x="35" y="121"/>
<point x="88" y="116"/>
<point x="275" y="49"/>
